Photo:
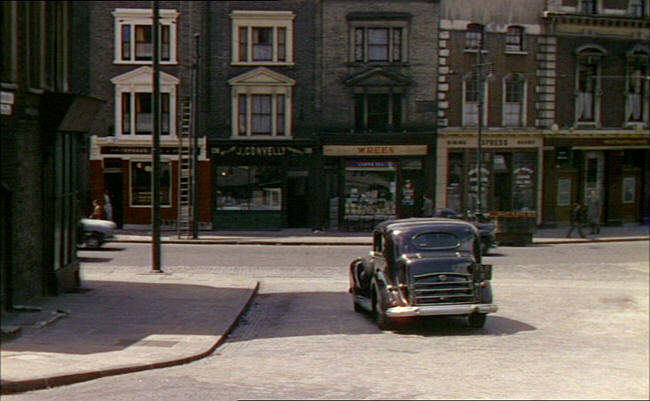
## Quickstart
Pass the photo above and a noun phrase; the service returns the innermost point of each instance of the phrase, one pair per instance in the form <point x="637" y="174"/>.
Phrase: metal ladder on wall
<point x="185" y="173"/>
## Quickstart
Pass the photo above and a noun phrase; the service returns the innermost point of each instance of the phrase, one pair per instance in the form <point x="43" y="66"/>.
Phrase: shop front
<point x="367" y="184"/>
<point x="509" y="176"/>
<point x="613" y="170"/>
<point x="122" y="172"/>
<point x="262" y="186"/>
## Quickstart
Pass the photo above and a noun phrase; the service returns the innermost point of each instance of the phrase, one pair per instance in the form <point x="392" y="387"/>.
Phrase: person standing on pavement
<point x="98" y="211"/>
<point x="108" y="208"/>
<point x="577" y="220"/>
<point x="427" y="207"/>
<point x="593" y="212"/>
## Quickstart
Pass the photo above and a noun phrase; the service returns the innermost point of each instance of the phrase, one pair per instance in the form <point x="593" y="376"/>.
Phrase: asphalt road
<point x="573" y="323"/>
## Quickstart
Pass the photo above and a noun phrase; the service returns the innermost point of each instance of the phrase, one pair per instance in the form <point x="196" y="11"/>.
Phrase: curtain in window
<point x="261" y="114"/>
<point x="241" y="116"/>
<point x="280" y="115"/>
<point x="143" y="114"/>
<point x="126" y="113"/>
<point x="165" y="43"/>
<point x="358" y="44"/>
<point x="243" y="44"/>
<point x="262" y="44"/>
<point x="378" y="44"/>
<point x="143" y="42"/>
<point x="513" y="102"/>
<point x="282" y="44"/>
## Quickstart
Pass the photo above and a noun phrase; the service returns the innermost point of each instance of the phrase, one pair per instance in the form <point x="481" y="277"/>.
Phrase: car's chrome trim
<point x="440" y="310"/>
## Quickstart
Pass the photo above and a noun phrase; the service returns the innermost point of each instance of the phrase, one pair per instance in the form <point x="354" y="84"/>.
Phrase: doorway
<point x="113" y="183"/>
<point x="297" y="204"/>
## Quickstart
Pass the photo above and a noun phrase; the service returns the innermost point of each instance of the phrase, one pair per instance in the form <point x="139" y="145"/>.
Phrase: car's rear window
<point x="436" y="240"/>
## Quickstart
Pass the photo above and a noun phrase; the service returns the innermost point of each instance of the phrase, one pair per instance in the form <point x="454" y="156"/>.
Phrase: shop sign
<point x="263" y="151"/>
<point x="136" y="150"/>
<point x="375" y="150"/>
<point x="523" y="176"/>
<point x="495" y="142"/>
<point x="371" y="165"/>
<point x="7" y="102"/>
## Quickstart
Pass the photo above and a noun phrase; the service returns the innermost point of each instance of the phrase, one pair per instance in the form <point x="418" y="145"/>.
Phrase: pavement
<point x="121" y="322"/>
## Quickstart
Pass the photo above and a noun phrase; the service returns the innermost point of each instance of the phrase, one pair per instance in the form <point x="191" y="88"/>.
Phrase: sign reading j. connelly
<point x="375" y="150"/>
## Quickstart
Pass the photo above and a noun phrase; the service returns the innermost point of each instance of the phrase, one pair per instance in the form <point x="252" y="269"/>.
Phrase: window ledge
<point x="516" y="52"/>
<point x="271" y="63"/>
<point x="379" y="63"/>
<point x="122" y="62"/>
<point x="262" y="137"/>
<point x="7" y="85"/>
<point x="484" y="51"/>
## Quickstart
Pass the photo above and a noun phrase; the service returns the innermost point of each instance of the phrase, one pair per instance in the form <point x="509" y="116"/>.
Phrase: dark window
<point x="515" y="38"/>
<point x="243" y="44"/>
<point x="378" y="112"/>
<point x="280" y="115"/>
<point x="141" y="184"/>
<point x="242" y="115"/>
<point x="436" y="241"/>
<point x="8" y="40"/>
<point x="474" y="37"/>
<point x="126" y="42"/>
<point x="126" y="113"/>
<point x="588" y="7"/>
<point x="165" y="43"/>
<point x="282" y="44"/>
<point x="378" y="44"/>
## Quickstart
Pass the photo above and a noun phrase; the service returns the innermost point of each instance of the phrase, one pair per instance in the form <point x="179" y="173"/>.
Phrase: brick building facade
<point x="46" y="116"/>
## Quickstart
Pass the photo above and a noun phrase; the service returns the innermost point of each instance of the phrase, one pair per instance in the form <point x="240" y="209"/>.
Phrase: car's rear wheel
<point x="477" y="320"/>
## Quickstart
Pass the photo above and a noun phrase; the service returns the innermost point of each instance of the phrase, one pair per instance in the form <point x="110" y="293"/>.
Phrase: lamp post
<point x="155" y="151"/>
<point x="479" y="90"/>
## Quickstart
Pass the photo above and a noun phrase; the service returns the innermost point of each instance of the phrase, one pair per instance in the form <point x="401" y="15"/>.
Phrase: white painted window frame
<point x="143" y="16"/>
<point x="464" y="104"/>
<point x="262" y="19"/>
<point x="133" y="88"/>
<point x="522" y="104"/>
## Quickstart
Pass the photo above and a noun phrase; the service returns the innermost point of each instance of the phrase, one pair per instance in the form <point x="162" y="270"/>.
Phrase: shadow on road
<point x="327" y="313"/>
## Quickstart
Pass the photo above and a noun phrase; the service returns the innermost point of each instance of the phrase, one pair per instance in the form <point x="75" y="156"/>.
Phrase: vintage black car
<point x="423" y="267"/>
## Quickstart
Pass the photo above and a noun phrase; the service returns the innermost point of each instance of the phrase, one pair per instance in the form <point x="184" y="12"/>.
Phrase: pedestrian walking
<point x="427" y="206"/>
<point x="593" y="212"/>
<point x="108" y="207"/>
<point x="577" y="220"/>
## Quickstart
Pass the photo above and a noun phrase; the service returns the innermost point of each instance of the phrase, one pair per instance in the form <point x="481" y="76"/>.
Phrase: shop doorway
<point x="297" y="203"/>
<point x="113" y="183"/>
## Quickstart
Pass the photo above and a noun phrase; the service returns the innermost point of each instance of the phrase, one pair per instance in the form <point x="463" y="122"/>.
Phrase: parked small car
<point x="423" y="267"/>
<point x="93" y="232"/>
<point x="486" y="228"/>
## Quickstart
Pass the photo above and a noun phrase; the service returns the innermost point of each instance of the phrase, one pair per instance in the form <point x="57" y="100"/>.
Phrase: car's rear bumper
<point x="440" y="310"/>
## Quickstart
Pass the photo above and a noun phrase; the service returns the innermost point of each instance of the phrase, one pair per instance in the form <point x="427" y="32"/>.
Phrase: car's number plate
<point x="483" y="272"/>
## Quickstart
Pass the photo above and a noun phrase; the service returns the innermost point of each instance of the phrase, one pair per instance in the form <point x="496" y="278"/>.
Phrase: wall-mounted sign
<point x="375" y="150"/>
<point x="136" y="150"/>
<point x="263" y="151"/>
<point x="500" y="142"/>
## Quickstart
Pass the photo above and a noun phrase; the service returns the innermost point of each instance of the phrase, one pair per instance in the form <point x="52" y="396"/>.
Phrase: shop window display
<point x="369" y="191"/>
<point x="249" y="188"/>
<point x="141" y="184"/>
